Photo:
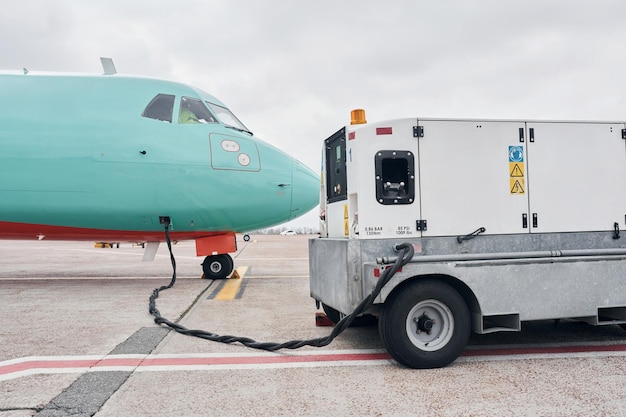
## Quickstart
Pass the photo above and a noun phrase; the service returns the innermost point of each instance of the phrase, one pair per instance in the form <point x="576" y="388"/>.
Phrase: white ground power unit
<point x="510" y="221"/>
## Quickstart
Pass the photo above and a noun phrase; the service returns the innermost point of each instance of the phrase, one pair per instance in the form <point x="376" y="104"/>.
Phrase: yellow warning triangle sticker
<point x="517" y="188"/>
<point x="517" y="172"/>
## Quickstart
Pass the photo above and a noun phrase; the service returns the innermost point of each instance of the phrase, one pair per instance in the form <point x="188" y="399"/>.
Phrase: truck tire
<point x="332" y="314"/>
<point x="425" y="324"/>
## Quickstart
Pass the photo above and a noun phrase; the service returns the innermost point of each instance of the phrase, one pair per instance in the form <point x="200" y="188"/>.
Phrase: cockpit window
<point x="160" y="108"/>
<point x="227" y="117"/>
<point x="194" y="111"/>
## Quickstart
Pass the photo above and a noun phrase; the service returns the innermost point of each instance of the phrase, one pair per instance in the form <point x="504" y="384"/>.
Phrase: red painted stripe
<point x="190" y="361"/>
<point x="248" y="360"/>
<point x="27" y="231"/>
<point x="384" y="131"/>
<point x="112" y="361"/>
<point x="47" y="364"/>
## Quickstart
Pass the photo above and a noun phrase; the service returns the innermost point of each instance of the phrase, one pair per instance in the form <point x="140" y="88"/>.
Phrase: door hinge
<point x="418" y="131"/>
<point x="421" y="225"/>
<point x="623" y="133"/>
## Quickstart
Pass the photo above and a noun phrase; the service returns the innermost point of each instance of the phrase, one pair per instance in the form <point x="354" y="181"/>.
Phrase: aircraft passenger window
<point x="160" y="107"/>
<point x="194" y="111"/>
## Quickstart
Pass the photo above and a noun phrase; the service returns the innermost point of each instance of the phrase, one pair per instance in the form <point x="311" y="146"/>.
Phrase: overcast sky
<point x="292" y="70"/>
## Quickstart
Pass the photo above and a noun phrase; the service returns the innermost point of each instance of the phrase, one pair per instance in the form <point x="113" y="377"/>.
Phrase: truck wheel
<point x="332" y="314"/>
<point x="217" y="266"/>
<point x="359" y="321"/>
<point x="425" y="325"/>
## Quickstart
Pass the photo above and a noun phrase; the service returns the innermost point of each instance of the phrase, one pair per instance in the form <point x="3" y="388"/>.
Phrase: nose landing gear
<point x="217" y="266"/>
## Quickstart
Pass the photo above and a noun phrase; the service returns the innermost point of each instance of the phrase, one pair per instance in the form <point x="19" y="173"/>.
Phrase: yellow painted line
<point x="231" y="287"/>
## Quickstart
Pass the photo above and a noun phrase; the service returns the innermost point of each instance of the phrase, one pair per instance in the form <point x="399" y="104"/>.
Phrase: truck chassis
<point x="428" y="308"/>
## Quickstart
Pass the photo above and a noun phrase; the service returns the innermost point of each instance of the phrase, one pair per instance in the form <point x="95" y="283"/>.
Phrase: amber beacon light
<point x="357" y="117"/>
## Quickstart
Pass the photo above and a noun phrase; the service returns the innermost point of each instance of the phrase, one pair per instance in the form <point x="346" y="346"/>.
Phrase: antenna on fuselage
<point x="108" y="66"/>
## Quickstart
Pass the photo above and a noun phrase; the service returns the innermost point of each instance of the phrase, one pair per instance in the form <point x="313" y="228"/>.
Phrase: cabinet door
<point x="576" y="176"/>
<point x="336" y="185"/>
<point x="468" y="180"/>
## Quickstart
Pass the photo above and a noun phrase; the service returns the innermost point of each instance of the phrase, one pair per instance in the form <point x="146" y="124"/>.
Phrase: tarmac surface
<point x="76" y="339"/>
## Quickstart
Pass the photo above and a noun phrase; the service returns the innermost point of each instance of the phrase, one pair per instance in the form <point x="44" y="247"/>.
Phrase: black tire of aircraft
<point x="217" y="266"/>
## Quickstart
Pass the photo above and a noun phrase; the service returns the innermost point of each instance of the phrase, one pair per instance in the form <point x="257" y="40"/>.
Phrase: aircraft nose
<point x="305" y="190"/>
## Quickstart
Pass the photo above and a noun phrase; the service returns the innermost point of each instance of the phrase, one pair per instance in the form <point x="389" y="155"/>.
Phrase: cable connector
<point x="165" y="220"/>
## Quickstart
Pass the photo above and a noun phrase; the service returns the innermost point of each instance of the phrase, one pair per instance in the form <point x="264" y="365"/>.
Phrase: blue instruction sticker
<point x="516" y="154"/>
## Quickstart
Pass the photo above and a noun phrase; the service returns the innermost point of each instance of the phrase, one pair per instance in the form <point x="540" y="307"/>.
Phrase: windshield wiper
<point x="239" y="130"/>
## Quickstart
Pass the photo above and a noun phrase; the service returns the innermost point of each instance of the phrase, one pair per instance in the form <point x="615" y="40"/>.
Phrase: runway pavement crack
<point x="6" y="410"/>
<point x="194" y="302"/>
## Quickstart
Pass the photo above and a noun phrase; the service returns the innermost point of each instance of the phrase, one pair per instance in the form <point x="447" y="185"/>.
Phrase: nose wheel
<point x="217" y="266"/>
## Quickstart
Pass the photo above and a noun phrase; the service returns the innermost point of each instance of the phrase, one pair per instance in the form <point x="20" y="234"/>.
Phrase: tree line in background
<point x="305" y="230"/>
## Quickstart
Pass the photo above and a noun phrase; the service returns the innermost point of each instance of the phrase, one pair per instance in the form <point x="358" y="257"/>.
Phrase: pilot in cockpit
<point x="194" y="111"/>
<point x="186" y="115"/>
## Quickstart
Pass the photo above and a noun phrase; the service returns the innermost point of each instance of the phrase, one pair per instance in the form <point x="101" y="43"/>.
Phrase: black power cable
<point x="406" y="255"/>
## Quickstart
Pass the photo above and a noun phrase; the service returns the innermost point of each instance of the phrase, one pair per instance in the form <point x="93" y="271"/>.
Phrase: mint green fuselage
<point x="75" y="151"/>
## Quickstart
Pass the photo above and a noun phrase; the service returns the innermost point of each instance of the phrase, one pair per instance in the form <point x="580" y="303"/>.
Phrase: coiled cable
<point x="406" y="254"/>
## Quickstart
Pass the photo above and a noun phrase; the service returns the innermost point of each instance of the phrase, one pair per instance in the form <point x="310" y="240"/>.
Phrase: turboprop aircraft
<point x="109" y="157"/>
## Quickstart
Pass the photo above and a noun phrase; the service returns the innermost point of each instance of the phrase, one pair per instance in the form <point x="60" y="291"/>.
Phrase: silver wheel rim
<point x="215" y="267"/>
<point x="430" y="325"/>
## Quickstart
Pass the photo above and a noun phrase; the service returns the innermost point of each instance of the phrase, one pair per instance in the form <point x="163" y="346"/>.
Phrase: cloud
<point x="292" y="71"/>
